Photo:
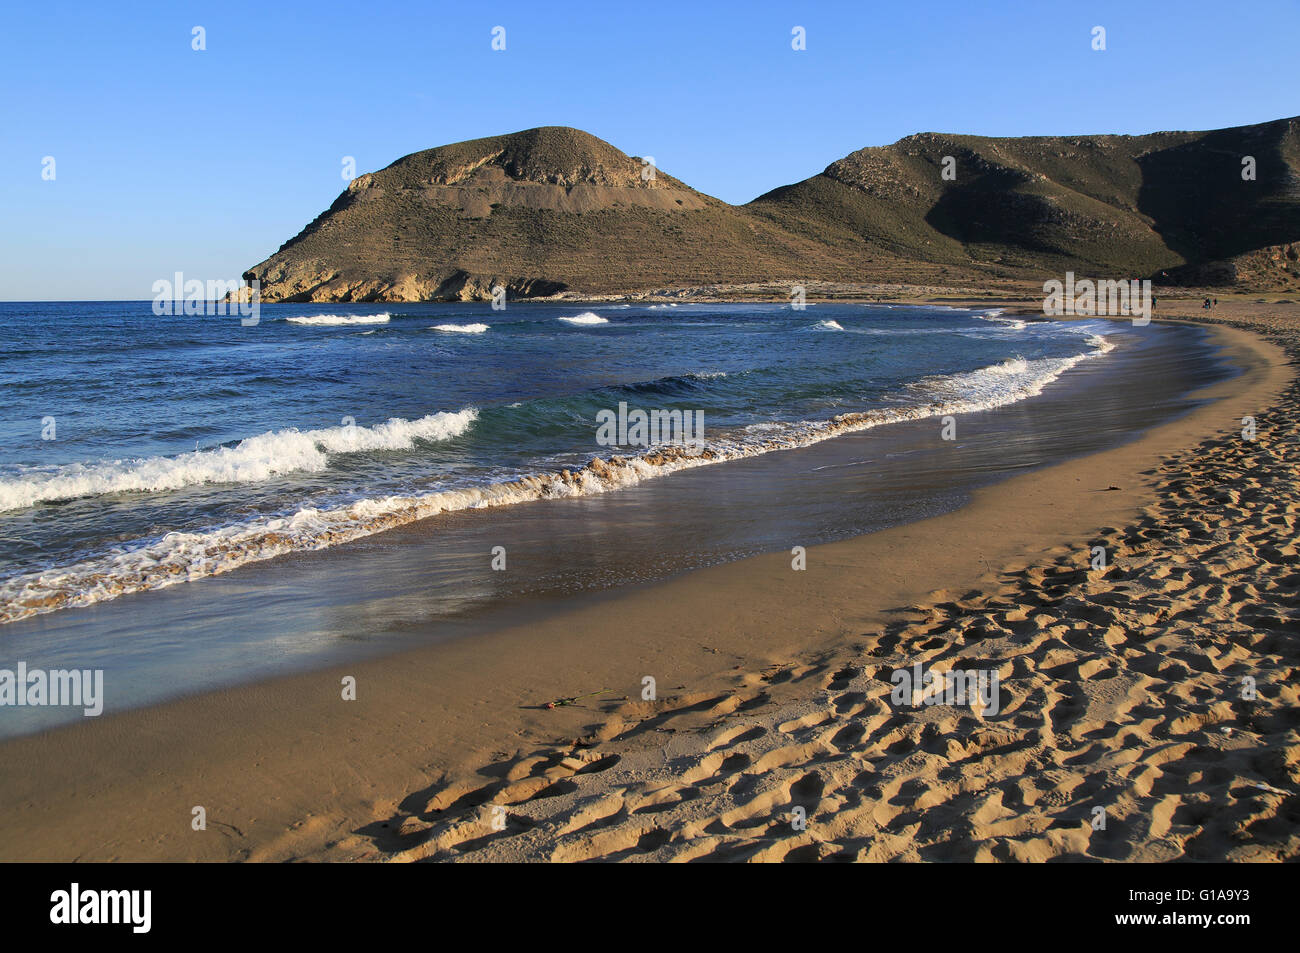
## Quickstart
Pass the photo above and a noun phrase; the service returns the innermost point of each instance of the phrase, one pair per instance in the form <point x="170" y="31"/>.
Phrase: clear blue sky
<point x="169" y="159"/>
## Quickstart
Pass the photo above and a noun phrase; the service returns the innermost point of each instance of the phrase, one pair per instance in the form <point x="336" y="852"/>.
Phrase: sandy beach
<point x="772" y="735"/>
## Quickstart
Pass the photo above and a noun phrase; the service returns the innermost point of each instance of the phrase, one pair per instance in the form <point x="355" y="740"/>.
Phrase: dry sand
<point x="1121" y="689"/>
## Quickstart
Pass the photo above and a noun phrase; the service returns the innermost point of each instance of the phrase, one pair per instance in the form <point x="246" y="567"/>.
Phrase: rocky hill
<point x="1108" y="205"/>
<point x="556" y="209"/>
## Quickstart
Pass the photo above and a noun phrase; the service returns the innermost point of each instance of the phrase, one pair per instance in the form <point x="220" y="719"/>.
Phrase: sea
<point x="190" y="501"/>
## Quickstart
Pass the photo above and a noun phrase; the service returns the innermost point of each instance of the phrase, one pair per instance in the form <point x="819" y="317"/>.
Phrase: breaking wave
<point x="461" y="328"/>
<point x="587" y="317"/>
<point x="326" y="320"/>
<point x="995" y="316"/>
<point x="252" y="460"/>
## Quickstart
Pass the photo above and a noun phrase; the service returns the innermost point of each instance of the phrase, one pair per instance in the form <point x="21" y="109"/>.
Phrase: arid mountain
<point x="538" y="212"/>
<point x="1114" y="206"/>
<point x="556" y="209"/>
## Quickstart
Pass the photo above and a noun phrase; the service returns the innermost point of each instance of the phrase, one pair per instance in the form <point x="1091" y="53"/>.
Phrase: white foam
<point x="327" y="320"/>
<point x="1007" y="382"/>
<point x="995" y="315"/>
<point x="828" y="325"/>
<point x="587" y="317"/>
<point x="252" y="460"/>
<point x="1011" y="367"/>
<point x="460" y="328"/>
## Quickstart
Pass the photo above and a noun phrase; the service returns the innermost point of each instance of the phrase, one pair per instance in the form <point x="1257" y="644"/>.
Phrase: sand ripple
<point x="1121" y="688"/>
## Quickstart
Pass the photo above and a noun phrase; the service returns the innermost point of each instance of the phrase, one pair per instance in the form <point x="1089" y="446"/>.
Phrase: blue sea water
<point x="139" y="451"/>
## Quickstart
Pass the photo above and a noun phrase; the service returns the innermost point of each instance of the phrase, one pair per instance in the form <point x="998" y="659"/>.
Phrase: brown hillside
<point x="554" y="209"/>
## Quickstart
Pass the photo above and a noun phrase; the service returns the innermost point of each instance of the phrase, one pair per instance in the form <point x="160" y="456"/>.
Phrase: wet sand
<point x="773" y="693"/>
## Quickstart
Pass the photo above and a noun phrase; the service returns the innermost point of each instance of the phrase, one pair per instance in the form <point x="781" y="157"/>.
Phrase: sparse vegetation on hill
<point x="556" y="209"/>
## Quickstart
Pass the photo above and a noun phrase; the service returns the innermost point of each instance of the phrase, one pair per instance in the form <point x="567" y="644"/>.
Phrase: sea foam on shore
<point x="182" y="556"/>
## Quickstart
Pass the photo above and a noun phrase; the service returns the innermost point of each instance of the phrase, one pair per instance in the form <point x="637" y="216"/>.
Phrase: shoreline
<point x="291" y="739"/>
<point x="425" y="580"/>
<point x="149" y="564"/>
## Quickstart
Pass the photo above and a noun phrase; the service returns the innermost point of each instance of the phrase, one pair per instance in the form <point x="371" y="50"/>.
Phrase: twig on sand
<point x="575" y="698"/>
